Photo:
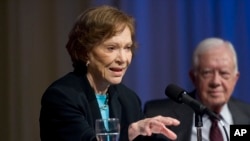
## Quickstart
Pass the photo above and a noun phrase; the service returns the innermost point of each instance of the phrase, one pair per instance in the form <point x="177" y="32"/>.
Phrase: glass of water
<point x="107" y="129"/>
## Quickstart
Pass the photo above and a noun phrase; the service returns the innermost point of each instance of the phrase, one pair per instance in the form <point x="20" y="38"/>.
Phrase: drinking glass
<point x="107" y="129"/>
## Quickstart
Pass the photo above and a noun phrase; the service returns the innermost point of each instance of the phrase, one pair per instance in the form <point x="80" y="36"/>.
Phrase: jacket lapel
<point x="114" y="105"/>
<point x="91" y="98"/>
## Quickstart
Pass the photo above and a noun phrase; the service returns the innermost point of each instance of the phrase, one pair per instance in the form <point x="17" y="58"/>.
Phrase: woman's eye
<point x="110" y="48"/>
<point x="128" y="48"/>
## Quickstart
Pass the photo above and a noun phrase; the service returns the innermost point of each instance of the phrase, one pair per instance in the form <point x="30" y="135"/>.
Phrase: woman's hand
<point x="155" y="124"/>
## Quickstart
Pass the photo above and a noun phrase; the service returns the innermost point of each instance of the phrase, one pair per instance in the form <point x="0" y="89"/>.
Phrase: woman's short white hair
<point x="211" y="43"/>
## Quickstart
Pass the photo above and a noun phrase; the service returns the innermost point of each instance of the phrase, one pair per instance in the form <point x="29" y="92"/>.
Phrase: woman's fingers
<point x="168" y="121"/>
<point x="158" y="125"/>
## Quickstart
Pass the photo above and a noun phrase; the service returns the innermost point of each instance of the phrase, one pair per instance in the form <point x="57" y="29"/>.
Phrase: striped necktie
<point x="215" y="132"/>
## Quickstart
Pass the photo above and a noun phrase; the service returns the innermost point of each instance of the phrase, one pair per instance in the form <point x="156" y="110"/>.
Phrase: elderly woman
<point x="101" y="46"/>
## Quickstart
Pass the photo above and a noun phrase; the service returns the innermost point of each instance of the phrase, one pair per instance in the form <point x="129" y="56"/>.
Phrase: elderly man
<point x="214" y="74"/>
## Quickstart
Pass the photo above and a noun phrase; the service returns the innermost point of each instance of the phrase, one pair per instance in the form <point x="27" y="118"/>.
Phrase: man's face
<point x="215" y="77"/>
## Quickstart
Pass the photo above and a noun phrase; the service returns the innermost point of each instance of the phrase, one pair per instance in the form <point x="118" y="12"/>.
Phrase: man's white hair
<point x="212" y="43"/>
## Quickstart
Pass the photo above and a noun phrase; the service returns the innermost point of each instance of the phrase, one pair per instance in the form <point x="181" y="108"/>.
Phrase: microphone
<point x="179" y="95"/>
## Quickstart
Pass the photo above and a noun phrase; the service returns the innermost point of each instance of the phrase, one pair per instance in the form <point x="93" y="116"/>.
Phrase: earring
<point x="87" y="63"/>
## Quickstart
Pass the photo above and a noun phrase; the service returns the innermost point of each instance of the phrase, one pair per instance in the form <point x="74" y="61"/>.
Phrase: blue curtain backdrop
<point x="169" y="30"/>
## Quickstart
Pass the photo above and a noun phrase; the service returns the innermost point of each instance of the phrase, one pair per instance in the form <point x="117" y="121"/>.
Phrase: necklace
<point x="103" y="101"/>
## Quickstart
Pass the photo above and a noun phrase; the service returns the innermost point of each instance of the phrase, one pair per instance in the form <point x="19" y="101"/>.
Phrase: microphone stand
<point x="198" y="125"/>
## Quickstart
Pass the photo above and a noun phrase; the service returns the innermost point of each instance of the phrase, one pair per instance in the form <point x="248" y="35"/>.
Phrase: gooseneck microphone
<point x="179" y="95"/>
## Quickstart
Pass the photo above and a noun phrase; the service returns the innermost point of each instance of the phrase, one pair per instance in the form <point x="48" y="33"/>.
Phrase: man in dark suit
<point x="214" y="74"/>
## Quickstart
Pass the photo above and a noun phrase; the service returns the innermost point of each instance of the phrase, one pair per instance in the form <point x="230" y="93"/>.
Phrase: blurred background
<point x="33" y="34"/>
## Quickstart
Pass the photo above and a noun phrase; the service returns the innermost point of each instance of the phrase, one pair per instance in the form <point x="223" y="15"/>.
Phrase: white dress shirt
<point x="205" y="129"/>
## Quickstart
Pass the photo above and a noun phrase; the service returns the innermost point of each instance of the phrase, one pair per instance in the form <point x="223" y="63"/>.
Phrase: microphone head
<point x="174" y="92"/>
<point x="179" y="95"/>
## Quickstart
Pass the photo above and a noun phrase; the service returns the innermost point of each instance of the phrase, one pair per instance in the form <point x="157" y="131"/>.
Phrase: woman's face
<point x="109" y="61"/>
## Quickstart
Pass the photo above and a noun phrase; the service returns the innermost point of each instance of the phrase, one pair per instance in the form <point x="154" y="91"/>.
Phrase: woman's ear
<point x="86" y="60"/>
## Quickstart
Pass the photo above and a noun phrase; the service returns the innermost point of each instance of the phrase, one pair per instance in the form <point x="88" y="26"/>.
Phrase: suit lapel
<point x="115" y="107"/>
<point x="91" y="98"/>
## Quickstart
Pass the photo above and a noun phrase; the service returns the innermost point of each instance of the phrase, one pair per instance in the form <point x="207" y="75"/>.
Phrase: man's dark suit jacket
<point x="167" y="107"/>
<point x="69" y="109"/>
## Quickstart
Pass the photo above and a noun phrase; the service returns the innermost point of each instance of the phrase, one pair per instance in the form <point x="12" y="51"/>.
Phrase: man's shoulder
<point x="239" y="102"/>
<point x="164" y="104"/>
<point x="162" y="101"/>
<point x="240" y="111"/>
<point x="239" y="106"/>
